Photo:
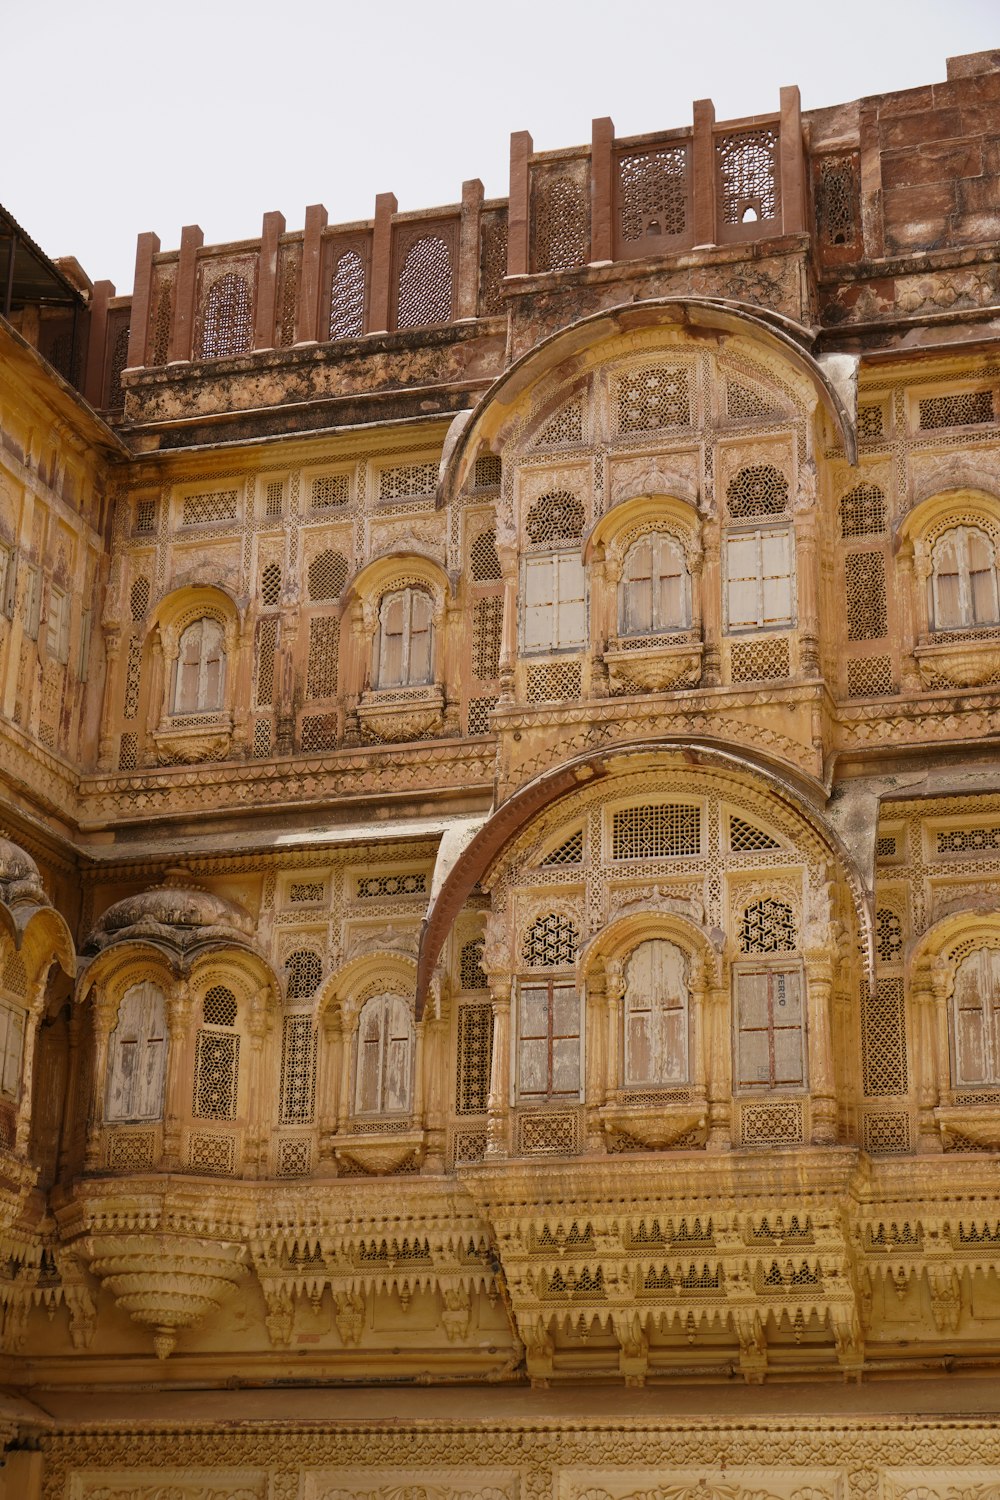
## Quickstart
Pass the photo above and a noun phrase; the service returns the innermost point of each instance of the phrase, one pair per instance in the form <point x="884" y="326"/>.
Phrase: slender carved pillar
<point x="436" y="1083"/>
<point x="718" y="1081"/>
<point x="819" y="1000"/>
<point x="256" y="1090"/>
<point x="329" y="1084"/>
<point x="807" y="569"/>
<point x="104" y="1011"/>
<point x="699" y="1061"/>
<point x="498" y="1107"/>
<point x="36" y="1007"/>
<point x="176" y="1102"/>
<point x="711" y="606"/>
<point x="68" y="1125"/>
<point x="595" y="1083"/>
<point x="349" y="1030"/>
<point x="615" y="991"/>
<point x="285" y="716"/>
<point x="508" y="640"/>
<point x="112" y="651"/>
<point x="924" y="1008"/>
<point x="913" y="574"/>
<point x="602" y="589"/>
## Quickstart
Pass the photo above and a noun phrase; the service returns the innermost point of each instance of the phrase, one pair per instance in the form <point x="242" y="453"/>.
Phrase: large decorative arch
<point x="804" y="798"/>
<point x="832" y="379"/>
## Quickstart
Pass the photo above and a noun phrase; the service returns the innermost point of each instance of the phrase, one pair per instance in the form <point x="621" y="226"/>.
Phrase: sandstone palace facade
<point x="500" y="923"/>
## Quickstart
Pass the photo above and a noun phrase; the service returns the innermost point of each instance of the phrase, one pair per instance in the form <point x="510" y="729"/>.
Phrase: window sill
<point x="653" y="665"/>
<point x="193" y="738"/>
<point x="656" y="1126"/>
<point x="960" y="1123"/>
<point x="963" y="658"/>
<point x="379" y="1145"/>
<point x="403" y="713"/>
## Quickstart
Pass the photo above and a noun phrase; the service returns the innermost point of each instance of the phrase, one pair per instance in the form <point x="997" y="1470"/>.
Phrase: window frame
<point x="408" y="593"/>
<point x="177" y="709"/>
<point x="656" y="540"/>
<point x="759" y="535"/>
<point x="964" y="574"/>
<point x="990" y="1032"/>
<point x="142" y="1044"/>
<point x="12" y="1012"/>
<point x="555" y="560"/>
<point x="381" y="1111"/>
<point x="550" y="982"/>
<point x="685" y="1010"/>
<point x="780" y="965"/>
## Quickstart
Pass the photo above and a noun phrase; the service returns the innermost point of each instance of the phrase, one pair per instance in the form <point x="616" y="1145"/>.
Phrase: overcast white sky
<point x="120" y="115"/>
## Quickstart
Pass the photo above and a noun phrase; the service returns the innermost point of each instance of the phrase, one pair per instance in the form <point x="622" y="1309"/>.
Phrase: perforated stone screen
<point x="654" y="397"/>
<point x="757" y="490"/>
<point x="327" y="576"/>
<point x="298" y="1071"/>
<point x="653" y="193"/>
<point x="864" y="585"/>
<point x="475" y="1056"/>
<point x="863" y="511"/>
<point x="883" y="1037"/>
<point x="655" y="831"/>
<point x="322" y="665"/>
<point x="767" y="926"/>
<point x="218" y="505"/>
<point x="551" y="941"/>
<point x="962" y="409"/>
<point x="347" y="297"/>
<point x="425" y="284"/>
<point x="487" y="631"/>
<point x="484" y="564"/>
<point x="558" y="517"/>
<point x="303" y="974"/>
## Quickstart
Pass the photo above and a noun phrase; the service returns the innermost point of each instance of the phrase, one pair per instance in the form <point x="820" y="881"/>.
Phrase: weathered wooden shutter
<point x="539" y="605"/>
<point x="977" y="1018"/>
<point x="637" y="586"/>
<point x="672" y="610"/>
<point x="369" y="1060"/>
<point x="533" y="1041"/>
<point x="565" y="1012"/>
<point x="398" y="1034"/>
<point x="188" y="670"/>
<point x="786" y="1021"/>
<point x="947" y="582"/>
<point x="769" y="1052"/>
<point x="571" y="610"/>
<point x="982" y="579"/>
<point x="11" y="1049"/>
<point x="741" y="577"/>
<point x="656" y="1015"/>
<point x="137" y="1056"/>
<point x="392" y="624"/>
<point x="421" y="655"/>
<point x="213" y="671"/>
<point x="753" y="1053"/>
<point x="776" y="578"/>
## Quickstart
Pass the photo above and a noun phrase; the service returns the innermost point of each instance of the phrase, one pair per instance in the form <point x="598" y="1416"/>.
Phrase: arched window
<point x="976" y="1018"/>
<point x="768" y="1000"/>
<point x="384" y="1064"/>
<point x="656" y="1015"/>
<point x="137" y="1056"/>
<point x="404" y="654"/>
<point x="964" y="580"/>
<point x="655" y="592"/>
<point x="217" y="1057"/>
<point x="201" y="668"/>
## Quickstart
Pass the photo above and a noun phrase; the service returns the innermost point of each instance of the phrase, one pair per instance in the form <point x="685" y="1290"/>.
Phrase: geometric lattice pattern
<point x="217" y="505"/>
<point x="870" y="677"/>
<point x="212" y="1154"/>
<point x="555" y="682"/>
<point x="968" y="840"/>
<point x="267" y="638"/>
<point x="555" y="1132"/>
<point x="653" y="192"/>
<point x="655" y="831"/>
<point x="303" y="973"/>
<point x="471" y="974"/>
<point x="778" y="1124"/>
<point x="475" y="1056"/>
<point x="484" y="564"/>
<point x="560" y="214"/>
<point x="402" y="480"/>
<point x="270" y="584"/>
<point x="306" y="892"/>
<point x="227" y="318"/>
<point x="425" y="284"/>
<point x="864" y="581"/>
<point x="487" y="630"/>
<point x="330" y="490"/>
<point x="863" y="510"/>
<point x="558" y="517"/>
<point x="324" y="646"/>
<point x="569" y="852"/>
<point x="767" y="926"/>
<point x="757" y="490"/>
<point x="347" y="297"/>
<point x="219" y="1006"/>
<point x="298" y="1071"/>
<point x="836" y="200"/>
<point x="885" y="1132"/>
<point x="216" y="1074"/>
<point x="145" y="516"/>
<point x="883" y="1040"/>
<point x="748" y="175"/>
<point x="139" y="598"/>
<point x="654" y="397"/>
<point x="888" y="935"/>
<point x="486" y="475"/>
<point x="871" y="421"/>
<point x="565" y="427"/>
<point x="551" y="941"/>
<point x="327" y="576"/>
<point x="764" y="660"/>
<point x="745" y="836"/>
<point x="294" y="1158"/>
<point x="377" y="887"/>
<point x="477" y="718"/>
<point x="130" y="1150"/>
<point x="962" y="409"/>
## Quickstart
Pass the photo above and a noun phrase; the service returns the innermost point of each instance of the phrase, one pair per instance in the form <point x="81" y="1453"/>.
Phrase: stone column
<point x="185" y="296"/>
<point x="329" y="1084"/>
<point x="601" y="586"/>
<point x="147" y="246"/>
<point x="105" y="1012"/>
<point x="68" y="1123"/>
<point x="112" y="652"/>
<point x="498" y="1106"/>
<point x="912" y="614"/>
<point x="177" y="1103"/>
<point x="819" y="992"/>
<point x="436" y="1084"/>
<point x="36" y="1007"/>
<point x="719" y="1070"/>
<point x="508" y="640"/>
<point x="284" y="715"/>
<point x="614" y="979"/>
<point x="711" y="606"/>
<point x="929" y="1012"/>
<point x="807" y="571"/>
<point x="256" y="1090"/>
<point x="698" y="997"/>
<point x="595" y="1082"/>
<point x="519" y="212"/>
<point x="349" y="1030"/>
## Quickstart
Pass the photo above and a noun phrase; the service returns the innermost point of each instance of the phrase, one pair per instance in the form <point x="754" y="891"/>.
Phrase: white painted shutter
<point x="398" y="1033"/>
<point x="776" y="577"/>
<point x="369" y="1059"/>
<point x="533" y="1043"/>
<point x="565" y="1041"/>
<point x="672" y="609"/>
<point x="977" y="1017"/>
<point x="539" y="603"/>
<point x="656" y="1015"/>
<point x="188" y="670"/>
<point x="11" y="1049"/>
<point x="213" y="656"/>
<point x="571" y="610"/>
<point x="638" y="589"/>
<point x="421" y="663"/>
<point x="786" y="1020"/>
<point x="753" y="1064"/>
<point x="741" y="576"/>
